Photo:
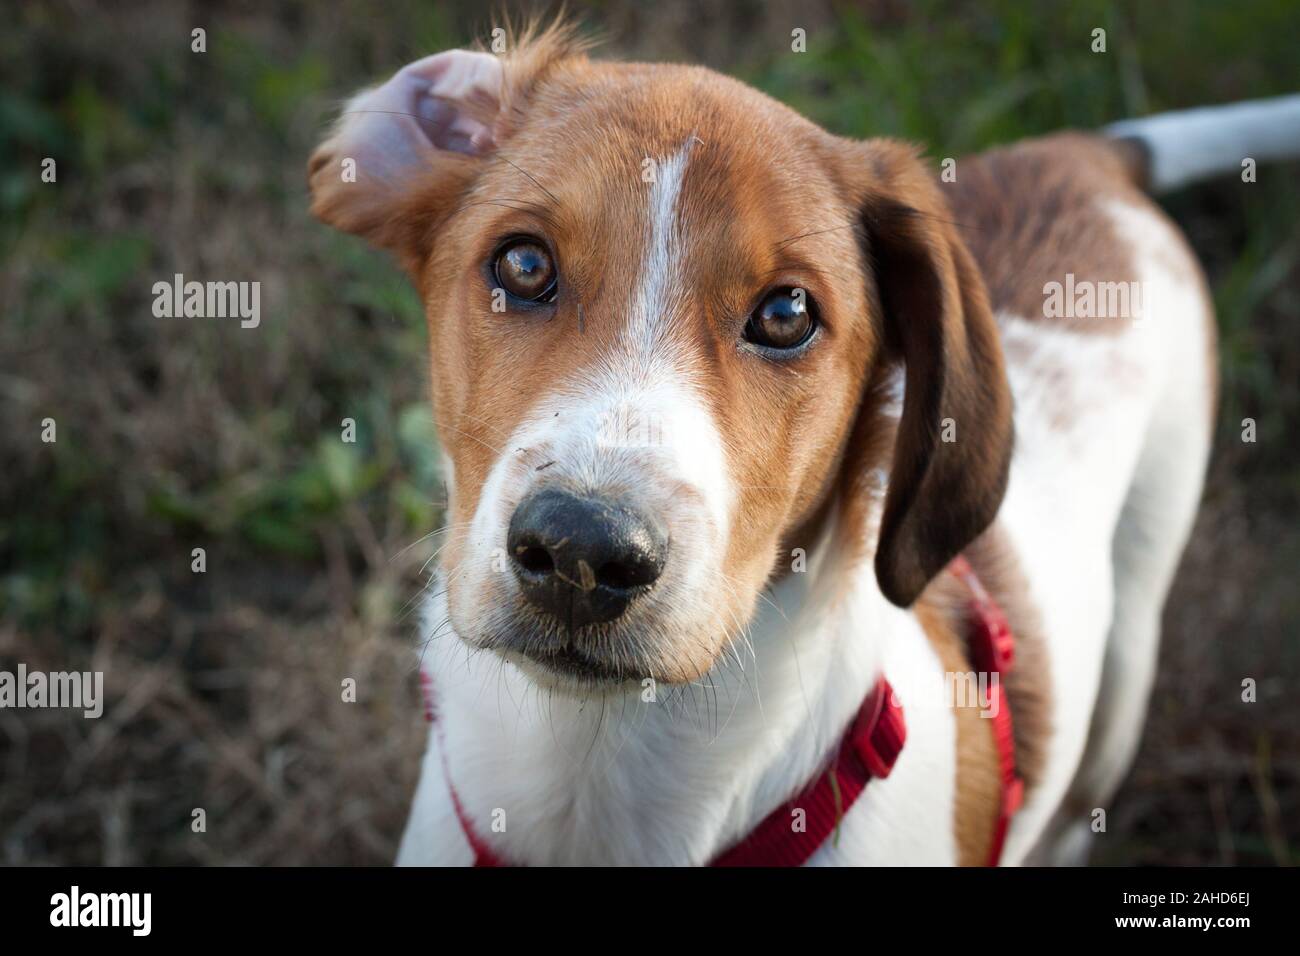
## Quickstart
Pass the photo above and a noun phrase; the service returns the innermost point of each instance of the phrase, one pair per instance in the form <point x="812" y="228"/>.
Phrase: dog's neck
<point x="621" y="778"/>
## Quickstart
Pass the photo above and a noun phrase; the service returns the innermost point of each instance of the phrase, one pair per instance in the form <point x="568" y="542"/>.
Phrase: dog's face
<point x="656" y="303"/>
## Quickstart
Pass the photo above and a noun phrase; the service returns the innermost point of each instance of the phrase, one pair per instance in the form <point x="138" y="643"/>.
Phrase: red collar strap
<point x="785" y="837"/>
<point x="868" y="749"/>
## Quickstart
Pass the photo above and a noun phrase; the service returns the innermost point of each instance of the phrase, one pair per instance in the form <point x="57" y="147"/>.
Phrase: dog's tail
<point x="1170" y="150"/>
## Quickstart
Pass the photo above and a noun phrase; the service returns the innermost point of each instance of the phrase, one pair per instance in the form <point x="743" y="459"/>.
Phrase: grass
<point x="175" y="435"/>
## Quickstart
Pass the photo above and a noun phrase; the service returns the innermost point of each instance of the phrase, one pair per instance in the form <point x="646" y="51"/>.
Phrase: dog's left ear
<point x="953" y="447"/>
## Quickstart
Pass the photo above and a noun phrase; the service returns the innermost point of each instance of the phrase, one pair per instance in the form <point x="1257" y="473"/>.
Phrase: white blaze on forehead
<point x="647" y="387"/>
<point x="649" y="375"/>
<point x="660" y="269"/>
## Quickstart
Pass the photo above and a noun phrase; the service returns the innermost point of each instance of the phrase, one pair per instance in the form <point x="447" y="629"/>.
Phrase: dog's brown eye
<point x="524" y="269"/>
<point x="782" y="321"/>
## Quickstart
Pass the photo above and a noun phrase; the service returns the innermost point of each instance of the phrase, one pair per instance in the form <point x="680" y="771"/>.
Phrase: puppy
<point x="759" y="441"/>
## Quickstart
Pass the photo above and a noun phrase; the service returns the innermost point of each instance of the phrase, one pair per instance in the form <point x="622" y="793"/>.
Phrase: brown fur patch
<point x="1030" y="684"/>
<point x="943" y="612"/>
<point x="978" y="785"/>
<point x="1030" y="213"/>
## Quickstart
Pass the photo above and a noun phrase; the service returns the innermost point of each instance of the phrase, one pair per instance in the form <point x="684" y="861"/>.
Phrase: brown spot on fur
<point x="1031" y="213"/>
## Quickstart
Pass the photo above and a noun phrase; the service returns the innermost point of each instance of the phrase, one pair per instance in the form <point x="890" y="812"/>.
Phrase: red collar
<point x="868" y="749"/>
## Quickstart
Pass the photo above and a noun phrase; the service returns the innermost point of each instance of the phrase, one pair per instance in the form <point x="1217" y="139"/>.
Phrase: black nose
<point x="583" y="560"/>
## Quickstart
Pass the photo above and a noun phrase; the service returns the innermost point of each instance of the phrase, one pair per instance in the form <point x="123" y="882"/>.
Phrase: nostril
<point x="535" y="559"/>
<point x="625" y="575"/>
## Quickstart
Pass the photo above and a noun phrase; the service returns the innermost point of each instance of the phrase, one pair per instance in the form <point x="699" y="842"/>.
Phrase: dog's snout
<point x="583" y="559"/>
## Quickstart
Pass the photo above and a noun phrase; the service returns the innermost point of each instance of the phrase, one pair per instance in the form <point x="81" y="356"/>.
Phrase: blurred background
<point x="223" y="688"/>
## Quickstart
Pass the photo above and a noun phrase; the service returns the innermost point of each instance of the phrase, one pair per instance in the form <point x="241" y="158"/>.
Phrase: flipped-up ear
<point x="953" y="447"/>
<point x="404" y="152"/>
<point x="401" y="151"/>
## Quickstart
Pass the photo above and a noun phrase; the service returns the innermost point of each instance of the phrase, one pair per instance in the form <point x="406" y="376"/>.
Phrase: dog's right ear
<point x="403" y="151"/>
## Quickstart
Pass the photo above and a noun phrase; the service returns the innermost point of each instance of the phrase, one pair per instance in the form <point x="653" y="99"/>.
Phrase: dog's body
<point x="665" y="729"/>
<point x="1109" y="423"/>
